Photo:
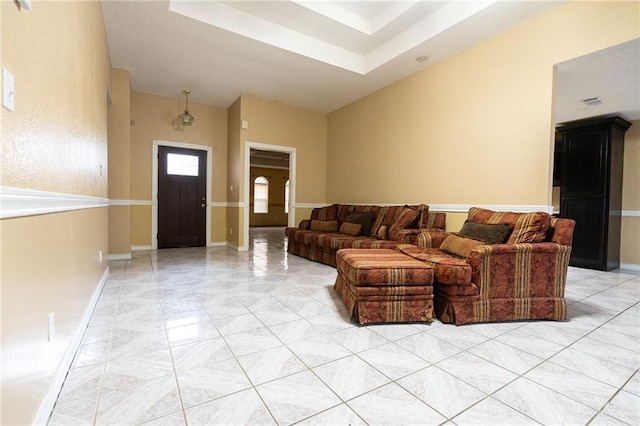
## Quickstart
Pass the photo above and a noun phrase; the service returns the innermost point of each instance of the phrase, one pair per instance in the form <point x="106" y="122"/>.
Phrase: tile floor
<point x="214" y="336"/>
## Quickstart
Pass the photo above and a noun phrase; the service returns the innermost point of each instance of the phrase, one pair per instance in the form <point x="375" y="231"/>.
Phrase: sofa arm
<point x="520" y="270"/>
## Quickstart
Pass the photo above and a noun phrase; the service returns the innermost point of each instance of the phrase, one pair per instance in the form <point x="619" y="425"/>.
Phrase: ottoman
<point x="384" y="286"/>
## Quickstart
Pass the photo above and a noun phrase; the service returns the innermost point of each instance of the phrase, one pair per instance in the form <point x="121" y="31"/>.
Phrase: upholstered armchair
<point x="522" y="278"/>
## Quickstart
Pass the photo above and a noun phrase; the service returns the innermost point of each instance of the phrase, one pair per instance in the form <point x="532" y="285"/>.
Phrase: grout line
<point x="157" y="263"/>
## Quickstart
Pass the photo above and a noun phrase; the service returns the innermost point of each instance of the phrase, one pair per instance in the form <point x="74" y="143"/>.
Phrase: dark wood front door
<point x="182" y="200"/>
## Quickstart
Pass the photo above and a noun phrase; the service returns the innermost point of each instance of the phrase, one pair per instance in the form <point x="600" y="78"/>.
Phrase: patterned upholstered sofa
<point x="339" y="226"/>
<point x="501" y="266"/>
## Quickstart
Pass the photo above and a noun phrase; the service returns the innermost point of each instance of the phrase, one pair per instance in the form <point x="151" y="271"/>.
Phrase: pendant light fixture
<point x="185" y="118"/>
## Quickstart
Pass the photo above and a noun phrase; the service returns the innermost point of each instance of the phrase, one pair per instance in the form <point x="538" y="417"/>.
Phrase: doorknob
<point x="203" y="205"/>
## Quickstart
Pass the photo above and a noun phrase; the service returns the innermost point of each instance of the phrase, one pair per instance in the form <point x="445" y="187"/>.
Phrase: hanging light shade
<point x="185" y="118"/>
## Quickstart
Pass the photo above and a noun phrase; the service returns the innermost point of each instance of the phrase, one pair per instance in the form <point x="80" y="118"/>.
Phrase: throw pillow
<point x="527" y="227"/>
<point x="423" y="221"/>
<point x="530" y="228"/>
<point x="375" y="229"/>
<point x="324" y="225"/>
<point x="459" y="246"/>
<point x="423" y="218"/>
<point x="325" y="213"/>
<point x="353" y="229"/>
<point x="382" y="233"/>
<point x="488" y="233"/>
<point x="404" y="220"/>
<point x="364" y="219"/>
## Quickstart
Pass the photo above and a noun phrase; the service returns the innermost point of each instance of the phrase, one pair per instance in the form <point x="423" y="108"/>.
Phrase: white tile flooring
<point x="214" y="336"/>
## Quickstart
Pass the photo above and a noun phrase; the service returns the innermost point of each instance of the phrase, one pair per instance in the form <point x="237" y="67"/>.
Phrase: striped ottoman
<point x="384" y="286"/>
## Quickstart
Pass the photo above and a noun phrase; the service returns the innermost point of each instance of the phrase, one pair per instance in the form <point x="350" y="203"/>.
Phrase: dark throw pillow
<point x="488" y="233"/>
<point x="365" y="219"/>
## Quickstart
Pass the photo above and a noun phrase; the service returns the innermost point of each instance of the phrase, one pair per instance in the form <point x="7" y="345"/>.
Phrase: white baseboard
<point x="140" y="248"/>
<point x="49" y="401"/>
<point x="630" y="267"/>
<point x="237" y="248"/>
<point x="217" y="244"/>
<point x="120" y="256"/>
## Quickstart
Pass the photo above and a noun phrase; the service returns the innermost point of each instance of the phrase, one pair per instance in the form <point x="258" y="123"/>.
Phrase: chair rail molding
<point x="19" y="202"/>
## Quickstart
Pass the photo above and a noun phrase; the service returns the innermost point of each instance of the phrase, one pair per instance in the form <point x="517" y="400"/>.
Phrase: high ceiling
<point x="319" y="55"/>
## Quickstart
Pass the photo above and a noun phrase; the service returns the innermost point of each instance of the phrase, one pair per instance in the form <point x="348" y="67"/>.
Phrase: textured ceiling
<point x="612" y="75"/>
<point x="322" y="55"/>
<point x="316" y="55"/>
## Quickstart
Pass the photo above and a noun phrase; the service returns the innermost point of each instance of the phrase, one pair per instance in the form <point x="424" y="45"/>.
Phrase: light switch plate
<point x="8" y="94"/>
<point x="25" y="4"/>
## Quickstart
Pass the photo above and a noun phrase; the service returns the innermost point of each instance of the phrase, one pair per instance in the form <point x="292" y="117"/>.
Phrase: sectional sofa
<point x="341" y="226"/>
<point x="500" y="266"/>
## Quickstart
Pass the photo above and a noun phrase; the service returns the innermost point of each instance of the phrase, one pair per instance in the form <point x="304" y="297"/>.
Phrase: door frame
<point x="291" y="220"/>
<point x="154" y="186"/>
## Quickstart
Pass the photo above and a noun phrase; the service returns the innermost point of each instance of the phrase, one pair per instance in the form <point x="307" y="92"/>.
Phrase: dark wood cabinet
<point x="591" y="189"/>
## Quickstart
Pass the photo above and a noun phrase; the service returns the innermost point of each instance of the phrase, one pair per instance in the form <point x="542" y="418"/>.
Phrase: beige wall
<point x="49" y="264"/>
<point x="274" y="123"/>
<point x="119" y="142"/>
<point x="278" y="124"/>
<point x="154" y="119"/>
<point x="55" y="140"/>
<point x="276" y="215"/>
<point x="475" y="129"/>
<point x="630" y="244"/>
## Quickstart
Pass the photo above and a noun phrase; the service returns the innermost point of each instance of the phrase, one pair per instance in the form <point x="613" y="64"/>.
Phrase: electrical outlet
<point x="52" y="326"/>
<point x="100" y="256"/>
<point x="230" y="231"/>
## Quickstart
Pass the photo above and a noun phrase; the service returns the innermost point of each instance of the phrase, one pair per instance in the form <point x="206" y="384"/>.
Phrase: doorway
<point x="182" y="199"/>
<point x="291" y="202"/>
<point x="193" y="232"/>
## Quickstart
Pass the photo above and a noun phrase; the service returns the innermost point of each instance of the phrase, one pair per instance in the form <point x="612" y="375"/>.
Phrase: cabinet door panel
<point x="584" y="164"/>
<point x="588" y="235"/>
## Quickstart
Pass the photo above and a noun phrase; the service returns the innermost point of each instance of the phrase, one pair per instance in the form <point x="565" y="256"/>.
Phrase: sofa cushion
<point x="324" y="225"/>
<point x="447" y="269"/>
<point x="486" y="232"/>
<point x="405" y="219"/>
<point x="365" y="219"/>
<point x="527" y="227"/>
<point x="353" y="229"/>
<point x="460" y="246"/>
